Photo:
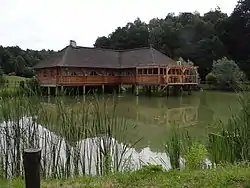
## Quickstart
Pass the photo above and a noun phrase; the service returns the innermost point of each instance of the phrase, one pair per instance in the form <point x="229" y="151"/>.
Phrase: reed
<point x="231" y="144"/>
<point x="82" y="139"/>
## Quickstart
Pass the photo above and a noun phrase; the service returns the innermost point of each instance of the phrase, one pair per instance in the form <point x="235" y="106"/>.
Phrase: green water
<point x="151" y="118"/>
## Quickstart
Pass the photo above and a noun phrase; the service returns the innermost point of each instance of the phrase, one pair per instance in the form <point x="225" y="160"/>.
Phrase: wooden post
<point x="31" y="161"/>
<point x="84" y="90"/>
<point x="49" y="91"/>
<point x="56" y="92"/>
<point x="119" y="89"/>
<point x="62" y="90"/>
<point x="103" y="89"/>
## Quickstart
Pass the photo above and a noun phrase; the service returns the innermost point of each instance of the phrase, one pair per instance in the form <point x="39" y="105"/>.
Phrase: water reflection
<point x="154" y="116"/>
<point x="63" y="159"/>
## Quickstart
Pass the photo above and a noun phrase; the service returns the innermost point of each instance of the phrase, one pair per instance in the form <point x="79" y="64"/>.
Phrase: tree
<point x="1" y="77"/>
<point x="236" y="35"/>
<point x="227" y="73"/>
<point x="1" y="72"/>
<point x="183" y="62"/>
<point x="14" y="59"/>
<point x="189" y="35"/>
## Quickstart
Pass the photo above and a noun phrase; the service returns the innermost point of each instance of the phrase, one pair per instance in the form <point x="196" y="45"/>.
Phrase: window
<point x="139" y="71"/>
<point x="93" y="73"/>
<point x="155" y="71"/>
<point x="45" y="73"/>
<point x="150" y="71"/>
<point x="165" y="71"/>
<point x="161" y="71"/>
<point x="145" y="71"/>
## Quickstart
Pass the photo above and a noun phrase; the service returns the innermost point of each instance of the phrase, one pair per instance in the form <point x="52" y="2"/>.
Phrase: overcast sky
<point x="50" y="24"/>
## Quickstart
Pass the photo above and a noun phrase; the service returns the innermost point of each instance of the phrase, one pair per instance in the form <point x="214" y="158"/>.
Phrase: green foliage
<point x="174" y="148"/>
<point x="211" y="79"/>
<point x="195" y="156"/>
<point x="1" y="72"/>
<point x="231" y="144"/>
<point x="32" y="86"/>
<point x="226" y="73"/>
<point x="192" y="36"/>
<point x="18" y="61"/>
<point x="11" y="92"/>
<point x="183" y="62"/>
<point x="1" y="77"/>
<point x="229" y="176"/>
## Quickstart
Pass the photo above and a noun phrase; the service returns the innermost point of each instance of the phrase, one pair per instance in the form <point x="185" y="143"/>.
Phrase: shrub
<point x="211" y="79"/>
<point x="195" y="156"/>
<point x="32" y="86"/>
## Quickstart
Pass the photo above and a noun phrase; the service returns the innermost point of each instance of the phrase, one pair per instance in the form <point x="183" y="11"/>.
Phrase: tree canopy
<point x="198" y="38"/>
<point x="20" y="62"/>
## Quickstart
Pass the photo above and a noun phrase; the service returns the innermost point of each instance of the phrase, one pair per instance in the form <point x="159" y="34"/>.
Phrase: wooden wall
<point x="47" y="76"/>
<point x="90" y="76"/>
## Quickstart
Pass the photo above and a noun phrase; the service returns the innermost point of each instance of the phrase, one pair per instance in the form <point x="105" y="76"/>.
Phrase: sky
<point x="50" y="24"/>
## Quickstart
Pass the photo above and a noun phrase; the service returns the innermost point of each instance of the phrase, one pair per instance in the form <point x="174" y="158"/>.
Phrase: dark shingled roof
<point x="105" y="58"/>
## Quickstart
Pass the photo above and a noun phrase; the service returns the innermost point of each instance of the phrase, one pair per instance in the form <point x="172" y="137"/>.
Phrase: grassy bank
<point x="227" y="176"/>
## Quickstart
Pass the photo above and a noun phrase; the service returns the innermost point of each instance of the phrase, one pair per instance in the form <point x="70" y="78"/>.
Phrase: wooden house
<point x="82" y="66"/>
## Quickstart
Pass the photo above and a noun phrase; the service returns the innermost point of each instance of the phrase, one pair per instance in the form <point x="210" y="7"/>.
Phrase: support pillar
<point x="49" y="91"/>
<point x="158" y="88"/>
<point x="56" y="91"/>
<point x="84" y="89"/>
<point x="119" y="89"/>
<point x="103" y="89"/>
<point x="62" y="90"/>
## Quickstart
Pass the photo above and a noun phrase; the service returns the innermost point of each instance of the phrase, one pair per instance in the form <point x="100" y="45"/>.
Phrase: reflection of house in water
<point x="183" y="116"/>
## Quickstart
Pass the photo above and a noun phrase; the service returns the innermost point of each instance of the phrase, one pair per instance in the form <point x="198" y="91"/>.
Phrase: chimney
<point x="72" y="43"/>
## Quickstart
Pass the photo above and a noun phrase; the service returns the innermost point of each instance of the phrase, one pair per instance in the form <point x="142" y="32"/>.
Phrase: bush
<point x="195" y="155"/>
<point x="211" y="79"/>
<point x="227" y="74"/>
<point x="32" y="86"/>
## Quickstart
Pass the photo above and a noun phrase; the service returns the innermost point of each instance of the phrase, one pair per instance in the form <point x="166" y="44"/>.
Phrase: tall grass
<point x="89" y="138"/>
<point x="86" y="138"/>
<point x="231" y="144"/>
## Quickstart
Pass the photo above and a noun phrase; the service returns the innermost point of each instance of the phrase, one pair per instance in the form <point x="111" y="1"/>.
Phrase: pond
<point x="153" y="117"/>
<point x="147" y="124"/>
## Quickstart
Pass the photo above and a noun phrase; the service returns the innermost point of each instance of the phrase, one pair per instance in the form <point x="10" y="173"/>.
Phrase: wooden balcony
<point x="116" y="80"/>
<point x="88" y="80"/>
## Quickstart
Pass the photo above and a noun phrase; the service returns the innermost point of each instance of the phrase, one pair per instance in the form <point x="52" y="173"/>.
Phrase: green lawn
<point x="14" y="78"/>
<point x="229" y="176"/>
<point x="13" y="81"/>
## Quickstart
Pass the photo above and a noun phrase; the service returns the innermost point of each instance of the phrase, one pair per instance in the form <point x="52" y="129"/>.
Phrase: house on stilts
<point x="83" y="67"/>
